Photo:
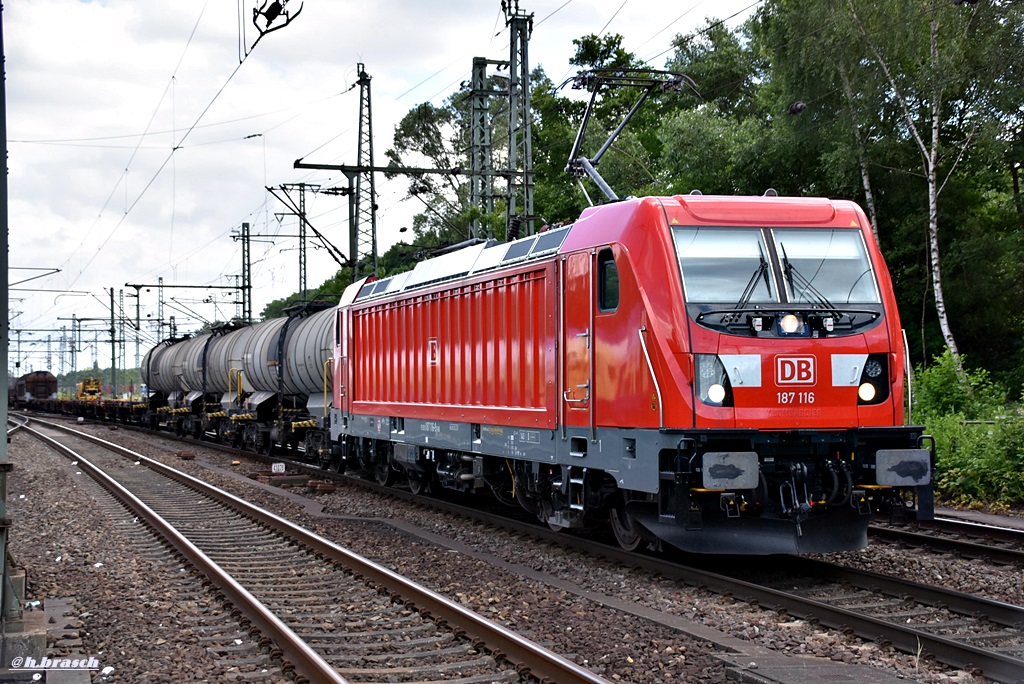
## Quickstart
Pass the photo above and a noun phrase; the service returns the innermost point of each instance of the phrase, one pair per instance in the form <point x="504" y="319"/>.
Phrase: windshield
<point x="719" y="264"/>
<point x="832" y="264"/>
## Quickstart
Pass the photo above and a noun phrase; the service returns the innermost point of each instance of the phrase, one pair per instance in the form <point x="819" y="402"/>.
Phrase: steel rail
<point x="996" y="666"/>
<point x="539" y="661"/>
<point x="967" y="549"/>
<point x="973" y="529"/>
<point x="1003" y="613"/>
<point x="16" y="423"/>
<point x="306" y="662"/>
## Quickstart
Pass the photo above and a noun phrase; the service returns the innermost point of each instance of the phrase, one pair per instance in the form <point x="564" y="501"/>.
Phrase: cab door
<point x="577" y="344"/>
<point x="341" y="390"/>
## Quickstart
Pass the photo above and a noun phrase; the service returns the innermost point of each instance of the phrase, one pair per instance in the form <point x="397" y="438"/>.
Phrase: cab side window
<point x="608" y="281"/>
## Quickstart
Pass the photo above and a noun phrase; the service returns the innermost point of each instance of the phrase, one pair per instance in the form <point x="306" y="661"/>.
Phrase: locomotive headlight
<point x="712" y="383"/>
<point x="790" y="324"/>
<point x="874" y="380"/>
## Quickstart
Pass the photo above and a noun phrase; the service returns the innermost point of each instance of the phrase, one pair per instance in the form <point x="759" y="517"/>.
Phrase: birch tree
<point x="920" y="98"/>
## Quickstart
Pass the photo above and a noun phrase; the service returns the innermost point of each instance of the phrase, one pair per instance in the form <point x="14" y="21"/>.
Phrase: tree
<point x="933" y="81"/>
<point x="922" y="83"/>
<point x="853" y="99"/>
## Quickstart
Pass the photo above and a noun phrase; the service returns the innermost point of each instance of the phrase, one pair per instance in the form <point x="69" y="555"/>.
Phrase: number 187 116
<point x="795" y="397"/>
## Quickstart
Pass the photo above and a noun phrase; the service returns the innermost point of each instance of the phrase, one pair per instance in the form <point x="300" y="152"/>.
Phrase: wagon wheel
<point x="323" y="454"/>
<point x="626" y="530"/>
<point x="323" y="459"/>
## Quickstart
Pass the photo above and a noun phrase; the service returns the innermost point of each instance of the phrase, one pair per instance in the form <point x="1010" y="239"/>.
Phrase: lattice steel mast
<point x="520" y="150"/>
<point x="363" y="207"/>
<point x="481" y="151"/>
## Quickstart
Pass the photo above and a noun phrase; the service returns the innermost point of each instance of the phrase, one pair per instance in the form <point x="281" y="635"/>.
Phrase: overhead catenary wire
<point x="140" y="198"/>
<point x="131" y="158"/>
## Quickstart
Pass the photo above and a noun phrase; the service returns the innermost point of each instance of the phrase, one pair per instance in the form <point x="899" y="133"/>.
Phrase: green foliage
<point x="725" y="70"/>
<point x="939" y="392"/>
<point x="980" y="462"/>
<point x="554" y="130"/>
<point x="719" y="164"/>
<point x="979" y="439"/>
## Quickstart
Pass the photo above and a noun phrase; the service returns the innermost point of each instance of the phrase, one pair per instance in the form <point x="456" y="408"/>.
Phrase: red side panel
<point x="481" y="351"/>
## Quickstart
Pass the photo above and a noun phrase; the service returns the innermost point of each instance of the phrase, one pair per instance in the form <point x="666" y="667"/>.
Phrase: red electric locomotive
<point x="722" y="373"/>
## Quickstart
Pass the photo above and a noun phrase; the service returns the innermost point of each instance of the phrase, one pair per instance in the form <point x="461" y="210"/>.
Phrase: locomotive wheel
<point x="383" y="474"/>
<point x="419" y="484"/>
<point x="529" y="504"/>
<point x="626" y="531"/>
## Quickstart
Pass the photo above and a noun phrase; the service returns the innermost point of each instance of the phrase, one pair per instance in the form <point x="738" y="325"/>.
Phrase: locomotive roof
<point x="704" y="209"/>
<point x="469" y="261"/>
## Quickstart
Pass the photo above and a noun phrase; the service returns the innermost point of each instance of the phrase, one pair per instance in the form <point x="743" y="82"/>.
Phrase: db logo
<point x="794" y="370"/>
<point x="432" y="351"/>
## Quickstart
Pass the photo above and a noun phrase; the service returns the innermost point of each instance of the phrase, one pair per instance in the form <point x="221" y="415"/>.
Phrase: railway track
<point x="999" y="545"/>
<point x="326" y="613"/>
<point x="958" y="629"/>
<point x="953" y="628"/>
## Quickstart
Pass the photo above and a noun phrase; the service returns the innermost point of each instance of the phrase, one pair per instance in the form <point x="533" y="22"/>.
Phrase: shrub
<point x="939" y="391"/>
<point x="979" y="439"/>
<point x="980" y="463"/>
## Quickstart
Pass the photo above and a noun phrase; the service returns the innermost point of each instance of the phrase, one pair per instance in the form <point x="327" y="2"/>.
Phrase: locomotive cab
<point x="797" y="383"/>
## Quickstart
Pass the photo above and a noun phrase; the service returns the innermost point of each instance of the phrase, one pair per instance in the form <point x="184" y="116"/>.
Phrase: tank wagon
<point x="722" y="373"/>
<point x="252" y="386"/>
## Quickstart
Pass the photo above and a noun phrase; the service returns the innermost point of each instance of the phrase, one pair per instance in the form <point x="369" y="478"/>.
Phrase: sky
<point x="141" y="135"/>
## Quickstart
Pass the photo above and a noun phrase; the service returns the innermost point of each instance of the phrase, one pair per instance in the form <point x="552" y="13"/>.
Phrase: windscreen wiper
<point x="797" y="280"/>
<point x="759" y="273"/>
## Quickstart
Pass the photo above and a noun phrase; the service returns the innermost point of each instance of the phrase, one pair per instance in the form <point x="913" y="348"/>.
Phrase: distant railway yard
<point x="616" y="616"/>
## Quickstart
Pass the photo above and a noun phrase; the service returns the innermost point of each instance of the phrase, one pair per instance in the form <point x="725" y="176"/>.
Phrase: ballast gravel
<point x="136" y="622"/>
